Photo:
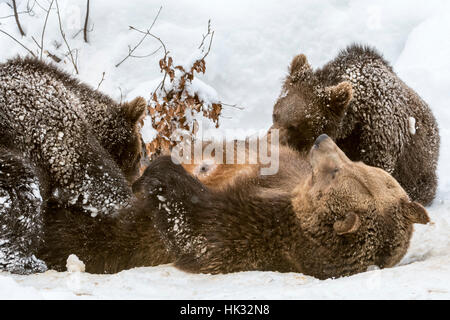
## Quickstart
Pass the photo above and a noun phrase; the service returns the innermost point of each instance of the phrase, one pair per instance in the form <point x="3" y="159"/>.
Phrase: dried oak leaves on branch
<point x="173" y="106"/>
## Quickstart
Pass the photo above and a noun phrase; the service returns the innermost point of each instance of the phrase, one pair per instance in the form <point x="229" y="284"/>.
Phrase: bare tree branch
<point x="147" y="55"/>
<point x="56" y="44"/>
<point x="231" y="105"/>
<point x="23" y="46"/>
<point x="130" y="51"/>
<point x="206" y="35"/>
<point x="77" y="33"/>
<point x="43" y="29"/>
<point x="16" y="16"/>
<point x="53" y="57"/>
<point x="29" y="11"/>
<point x="202" y="44"/>
<point x="82" y="29"/>
<point x="147" y="33"/>
<point x="101" y="81"/>
<point x="85" y="31"/>
<point x="40" y="6"/>
<point x="121" y="95"/>
<point x="72" y="59"/>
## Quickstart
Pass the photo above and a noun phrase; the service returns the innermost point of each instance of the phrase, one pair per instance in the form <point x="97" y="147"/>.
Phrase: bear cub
<point x="374" y="117"/>
<point x="62" y="143"/>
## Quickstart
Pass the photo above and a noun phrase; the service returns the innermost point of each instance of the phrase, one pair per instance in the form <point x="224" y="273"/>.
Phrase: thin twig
<point x="16" y="16"/>
<point x="56" y="44"/>
<point x="65" y="40"/>
<point x="43" y="29"/>
<point x="29" y="11"/>
<point x="53" y="57"/>
<point x="40" y="6"/>
<point x="82" y="29"/>
<point x="121" y="95"/>
<point x="231" y="105"/>
<point x="23" y="46"/>
<point x="209" y="47"/>
<point x="101" y="81"/>
<point x="206" y="35"/>
<point x="130" y="51"/>
<point x="161" y="84"/>
<point x="76" y="34"/>
<point x="147" y="55"/>
<point x="86" y="22"/>
<point x="37" y="43"/>
<point x="76" y="57"/>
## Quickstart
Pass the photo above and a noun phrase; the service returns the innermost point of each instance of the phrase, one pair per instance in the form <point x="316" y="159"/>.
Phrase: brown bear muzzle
<point x="325" y="153"/>
<point x="319" y="139"/>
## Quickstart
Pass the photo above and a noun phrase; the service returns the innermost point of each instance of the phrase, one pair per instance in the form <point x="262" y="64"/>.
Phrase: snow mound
<point x="74" y="264"/>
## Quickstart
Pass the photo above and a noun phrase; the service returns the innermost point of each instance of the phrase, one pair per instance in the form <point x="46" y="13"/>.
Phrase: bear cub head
<point x="306" y="108"/>
<point x="127" y="147"/>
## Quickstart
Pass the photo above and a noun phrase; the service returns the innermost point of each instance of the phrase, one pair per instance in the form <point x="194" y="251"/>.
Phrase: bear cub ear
<point x="350" y="224"/>
<point x="299" y="62"/>
<point x="134" y="110"/>
<point x="340" y="96"/>
<point x="415" y="212"/>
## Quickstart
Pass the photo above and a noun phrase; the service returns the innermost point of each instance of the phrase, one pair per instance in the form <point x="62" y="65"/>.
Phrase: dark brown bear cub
<point x="60" y="142"/>
<point x="373" y="116"/>
<point x="321" y="215"/>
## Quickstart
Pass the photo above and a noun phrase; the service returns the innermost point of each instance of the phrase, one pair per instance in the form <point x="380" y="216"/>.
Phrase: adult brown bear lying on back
<point x="321" y="214"/>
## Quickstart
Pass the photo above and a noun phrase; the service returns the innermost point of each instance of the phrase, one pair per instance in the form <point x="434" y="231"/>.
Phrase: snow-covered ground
<point x="253" y="44"/>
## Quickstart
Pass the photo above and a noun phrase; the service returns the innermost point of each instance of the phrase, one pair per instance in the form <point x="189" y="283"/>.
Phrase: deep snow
<point x="253" y="44"/>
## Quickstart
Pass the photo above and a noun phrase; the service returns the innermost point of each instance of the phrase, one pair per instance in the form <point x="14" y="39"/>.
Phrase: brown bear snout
<point x="321" y="138"/>
<point x="325" y="154"/>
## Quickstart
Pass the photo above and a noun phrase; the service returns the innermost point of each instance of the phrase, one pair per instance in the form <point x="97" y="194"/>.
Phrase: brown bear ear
<point x="299" y="62"/>
<point x="339" y="97"/>
<point x="415" y="212"/>
<point x="134" y="110"/>
<point x="350" y="224"/>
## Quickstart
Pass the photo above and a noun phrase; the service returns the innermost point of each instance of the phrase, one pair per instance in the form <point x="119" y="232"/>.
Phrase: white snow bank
<point x="424" y="273"/>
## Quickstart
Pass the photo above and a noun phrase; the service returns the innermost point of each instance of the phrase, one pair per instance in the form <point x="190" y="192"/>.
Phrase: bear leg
<point x="20" y="215"/>
<point x="173" y="197"/>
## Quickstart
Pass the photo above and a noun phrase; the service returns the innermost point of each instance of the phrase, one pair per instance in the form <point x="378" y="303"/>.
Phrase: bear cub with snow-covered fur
<point x="321" y="214"/>
<point x="60" y="142"/>
<point x="373" y="116"/>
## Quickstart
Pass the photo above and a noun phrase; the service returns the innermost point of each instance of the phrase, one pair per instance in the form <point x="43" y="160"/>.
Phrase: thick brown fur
<point x="109" y="244"/>
<point x="373" y="116"/>
<point x="62" y="143"/>
<point x="114" y="125"/>
<point x="321" y="215"/>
